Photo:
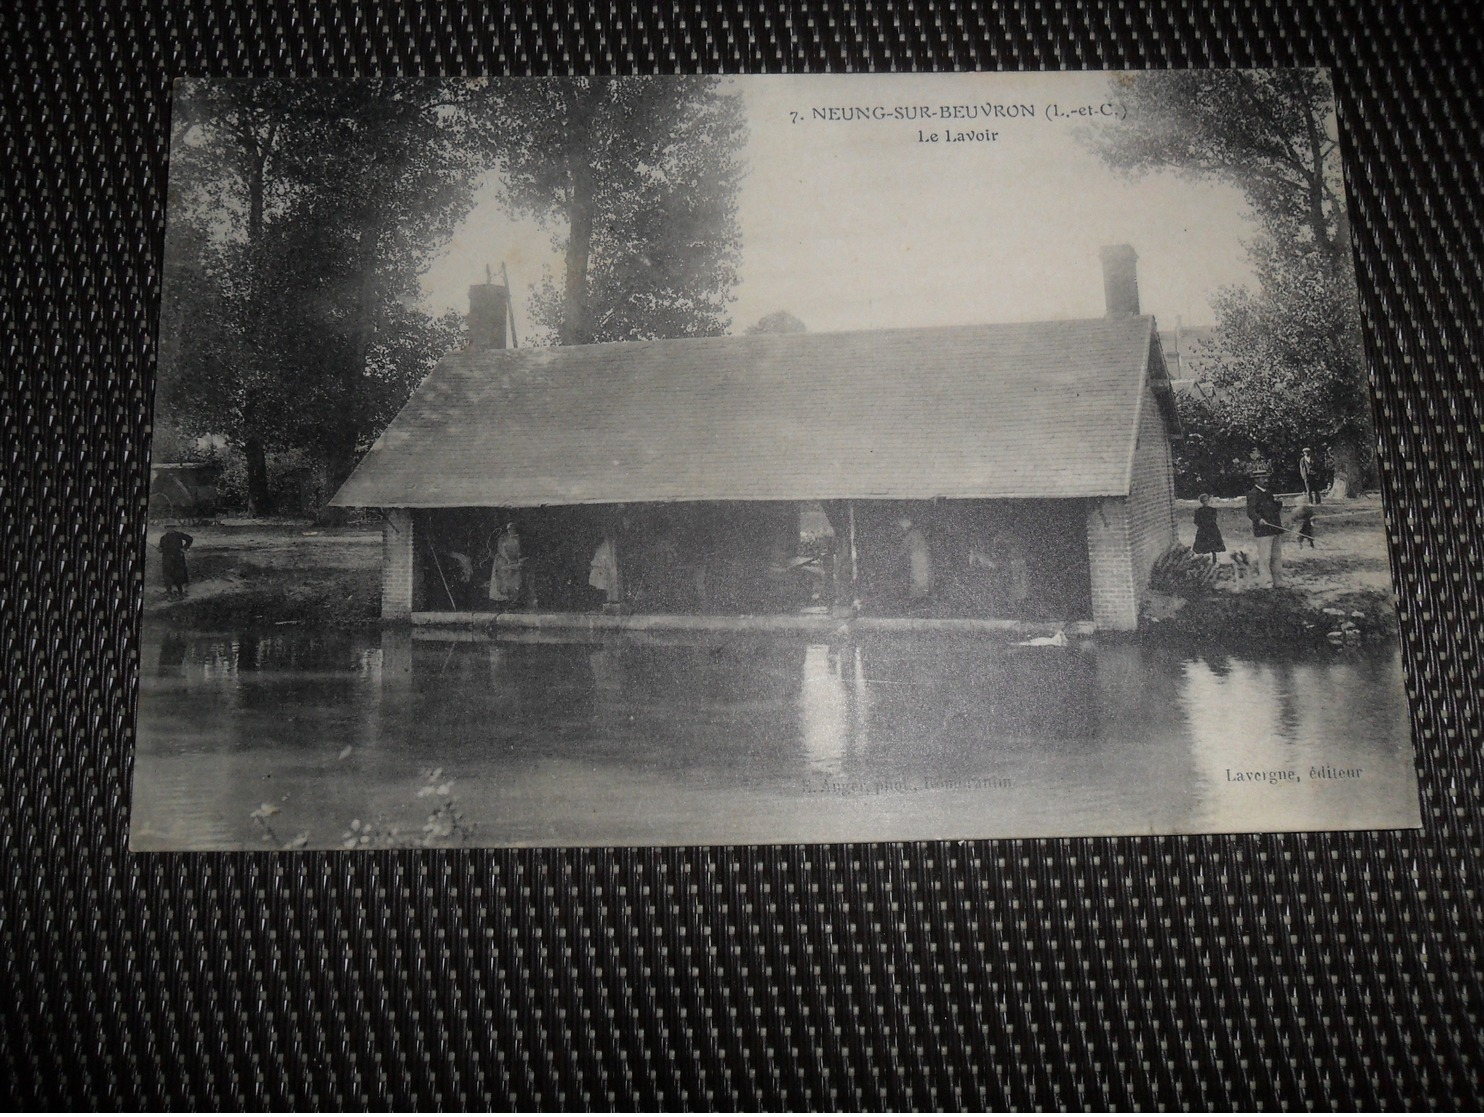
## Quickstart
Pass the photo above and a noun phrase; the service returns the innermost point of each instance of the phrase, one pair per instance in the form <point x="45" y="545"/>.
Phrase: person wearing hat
<point x="1266" y="513"/>
<point x="1309" y="470"/>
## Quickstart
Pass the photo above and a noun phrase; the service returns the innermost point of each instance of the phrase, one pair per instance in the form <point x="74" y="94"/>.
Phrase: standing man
<point x="1266" y="513"/>
<point x="1310" y="472"/>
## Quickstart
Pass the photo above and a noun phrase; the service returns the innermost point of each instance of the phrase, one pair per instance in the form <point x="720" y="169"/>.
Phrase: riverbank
<point x="261" y="573"/>
<point x="256" y="573"/>
<point x="1338" y="591"/>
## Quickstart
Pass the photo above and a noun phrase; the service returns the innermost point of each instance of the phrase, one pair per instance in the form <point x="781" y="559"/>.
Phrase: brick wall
<point x="396" y="565"/>
<point x="1151" y="504"/>
<point x="1125" y="536"/>
<point x="1115" y="598"/>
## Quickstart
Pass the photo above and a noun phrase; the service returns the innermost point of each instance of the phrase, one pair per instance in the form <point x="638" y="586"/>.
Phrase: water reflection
<point x="1268" y="731"/>
<point x="826" y="716"/>
<point x="638" y="741"/>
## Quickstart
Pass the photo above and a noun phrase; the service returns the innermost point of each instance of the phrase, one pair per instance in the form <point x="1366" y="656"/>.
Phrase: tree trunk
<point x="259" y="501"/>
<point x="1316" y="189"/>
<point x="1346" y="479"/>
<point x="576" y="328"/>
<point x="345" y="436"/>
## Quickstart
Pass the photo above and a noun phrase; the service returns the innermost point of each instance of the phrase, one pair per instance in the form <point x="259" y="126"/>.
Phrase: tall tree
<point x="637" y="177"/>
<point x="1280" y="374"/>
<point x="301" y="216"/>
<point x="1289" y="363"/>
<point x="223" y="135"/>
<point x="1271" y="133"/>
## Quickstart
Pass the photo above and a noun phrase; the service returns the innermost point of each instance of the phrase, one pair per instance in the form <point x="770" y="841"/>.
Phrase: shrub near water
<point x="1181" y="571"/>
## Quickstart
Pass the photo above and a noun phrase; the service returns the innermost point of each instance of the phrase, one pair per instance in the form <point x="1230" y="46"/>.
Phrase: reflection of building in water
<point x="1111" y="738"/>
<point x="1138" y="697"/>
<point x="1032" y="460"/>
<point x="503" y="676"/>
<point x="1145" y="732"/>
<point x="396" y="656"/>
<point x="945" y="695"/>
<point x="607" y="667"/>
<point x="825" y="722"/>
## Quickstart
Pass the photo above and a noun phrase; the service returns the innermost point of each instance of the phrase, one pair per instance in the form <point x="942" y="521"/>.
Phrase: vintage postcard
<point x="716" y="460"/>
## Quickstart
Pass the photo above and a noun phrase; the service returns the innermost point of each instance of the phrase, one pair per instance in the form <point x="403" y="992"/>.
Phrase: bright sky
<point x="858" y="223"/>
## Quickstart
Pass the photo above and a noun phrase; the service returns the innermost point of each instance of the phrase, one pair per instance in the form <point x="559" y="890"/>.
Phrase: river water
<point x="323" y="740"/>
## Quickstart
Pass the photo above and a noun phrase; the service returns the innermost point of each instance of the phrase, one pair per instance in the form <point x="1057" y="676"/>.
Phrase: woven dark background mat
<point x="1335" y="970"/>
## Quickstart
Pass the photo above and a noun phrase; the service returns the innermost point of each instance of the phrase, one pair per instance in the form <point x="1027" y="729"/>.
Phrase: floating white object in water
<point x="1057" y="641"/>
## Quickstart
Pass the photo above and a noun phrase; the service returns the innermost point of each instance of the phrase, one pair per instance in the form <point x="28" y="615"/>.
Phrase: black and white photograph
<point x="656" y="461"/>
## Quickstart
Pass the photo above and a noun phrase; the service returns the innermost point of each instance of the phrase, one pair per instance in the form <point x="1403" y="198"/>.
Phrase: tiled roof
<point x="1045" y="409"/>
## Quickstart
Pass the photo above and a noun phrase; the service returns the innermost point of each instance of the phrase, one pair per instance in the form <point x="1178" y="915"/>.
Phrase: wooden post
<point x="855" y="570"/>
<point x="509" y="303"/>
<point x="613" y="591"/>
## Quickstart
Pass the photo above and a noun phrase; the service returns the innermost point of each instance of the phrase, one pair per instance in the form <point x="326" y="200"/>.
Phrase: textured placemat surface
<point x="1334" y="970"/>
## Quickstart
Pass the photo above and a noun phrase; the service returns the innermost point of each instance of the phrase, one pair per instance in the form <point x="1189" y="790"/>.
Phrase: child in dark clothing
<point x="1208" y="539"/>
<point x="1303" y="517"/>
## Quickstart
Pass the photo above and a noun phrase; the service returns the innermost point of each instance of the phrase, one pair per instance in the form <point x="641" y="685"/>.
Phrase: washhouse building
<point x="1024" y="468"/>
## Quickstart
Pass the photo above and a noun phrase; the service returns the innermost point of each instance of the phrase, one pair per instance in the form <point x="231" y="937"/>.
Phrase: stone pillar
<point x="1110" y="564"/>
<point x="396" y="565"/>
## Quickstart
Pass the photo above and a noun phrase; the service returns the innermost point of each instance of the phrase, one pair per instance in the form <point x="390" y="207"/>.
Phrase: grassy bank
<point x="250" y="573"/>
<point x="1337" y="592"/>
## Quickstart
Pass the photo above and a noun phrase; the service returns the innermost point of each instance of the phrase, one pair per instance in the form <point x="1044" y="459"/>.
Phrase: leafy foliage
<point x="1180" y="571"/>
<point x="1211" y="456"/>
<point x="637" y="177"/>
<point x="779" y="322"/>
<point x="1271" y="133"/>
<point x="1287" y="368"/>
<point x="301" y="215"/>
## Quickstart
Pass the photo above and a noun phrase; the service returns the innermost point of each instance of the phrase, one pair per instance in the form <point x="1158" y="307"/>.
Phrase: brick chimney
<point x="489" y="309"/>
<point x="1120" y="280"/>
